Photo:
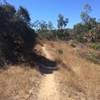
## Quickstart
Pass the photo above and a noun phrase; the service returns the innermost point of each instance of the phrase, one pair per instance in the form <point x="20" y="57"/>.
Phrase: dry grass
<point x="79" y="78"/>
<point x="16" y="83"/>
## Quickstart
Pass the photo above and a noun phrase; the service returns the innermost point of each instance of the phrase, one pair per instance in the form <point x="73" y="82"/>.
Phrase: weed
<point x="60" y="51"/>
<point x="95" y="46"/>
<point x="93" y="57"/>
<point x="73" y="45"/>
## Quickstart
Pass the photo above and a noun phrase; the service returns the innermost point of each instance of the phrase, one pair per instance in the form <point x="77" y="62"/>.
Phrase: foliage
<point x="95" y="46"/>
<point x="62" y="23"/>
<point x="23" y="14"/>
<point x="62" y="34"/>
<point x="73" y="43"/>
<point x="86" y="31"/>
<point x="16" y="36"/>
<point x="43" y="25"/>
<point x="85" y="14"/>
<point x="89" y="29"/>
<point x="91" y="56"/>
<point x="50" y="25"/>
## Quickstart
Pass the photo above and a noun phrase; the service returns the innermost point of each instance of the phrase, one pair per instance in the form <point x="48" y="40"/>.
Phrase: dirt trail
<point x="78" y="83"/>
<point x="48" y="86"/>
<point x="76" y="79"/>
<point x="47" y="53"/>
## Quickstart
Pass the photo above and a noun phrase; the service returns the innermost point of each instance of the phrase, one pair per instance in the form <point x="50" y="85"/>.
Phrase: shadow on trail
<point x="31" y="59"/>
<point x="45" y="66"/>
<point x="41" y="63"/>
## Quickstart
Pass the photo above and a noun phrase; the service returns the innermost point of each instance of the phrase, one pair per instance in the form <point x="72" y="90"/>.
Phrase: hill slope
<point x="76" y="78"/>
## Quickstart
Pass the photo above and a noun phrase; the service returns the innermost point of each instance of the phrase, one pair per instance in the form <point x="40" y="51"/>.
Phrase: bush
<point x="17" y="38"/>
<point x="73" y="45"/>
<point x="94" y="58"/>
<point x="91" y="56"/>
<point x="95" y="46"/>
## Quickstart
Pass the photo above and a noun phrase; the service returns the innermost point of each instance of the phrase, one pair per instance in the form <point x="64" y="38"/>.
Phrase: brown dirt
<point x="76" y="79"/>
<point x="49" y="88"/>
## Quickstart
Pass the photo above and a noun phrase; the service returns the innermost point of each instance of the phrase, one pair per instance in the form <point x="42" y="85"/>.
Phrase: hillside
<point x="75" y="79"/>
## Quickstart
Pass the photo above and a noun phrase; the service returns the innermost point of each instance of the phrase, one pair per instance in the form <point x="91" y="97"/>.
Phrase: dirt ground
<point x="76" y="78"/>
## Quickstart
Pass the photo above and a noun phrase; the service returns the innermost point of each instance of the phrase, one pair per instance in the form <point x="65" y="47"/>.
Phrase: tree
<point x="16" y="36"/>
<point x="87" y="28"/>
<point x="87" y="8"/>
<point x="85" y="13"/>
<point x="78" y="29"/>
<point x="62" y="23"/>
<point x="7" y="13"/>
<point x="43" y="25"/>
<point x="36" y="25"/>
<point x="50" y="25"/>
<point x="4" y="1"/>
<point x="92" y="22"/>
<point x="23" y="13"/>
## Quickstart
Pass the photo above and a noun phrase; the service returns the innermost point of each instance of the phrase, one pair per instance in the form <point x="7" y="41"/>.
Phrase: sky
<point x="49" y="10"/>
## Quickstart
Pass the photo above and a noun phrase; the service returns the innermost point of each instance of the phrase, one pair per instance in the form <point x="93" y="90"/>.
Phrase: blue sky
<point x="48" y="10"/>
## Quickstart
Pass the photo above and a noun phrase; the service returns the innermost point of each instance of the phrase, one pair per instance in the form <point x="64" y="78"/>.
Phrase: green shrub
<point x="95" y="46"/>
<point x="91" y="56"/>
<point x="81" y="38"/>
<point x="94" y="58"/>
<point x="17" y="37"/>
